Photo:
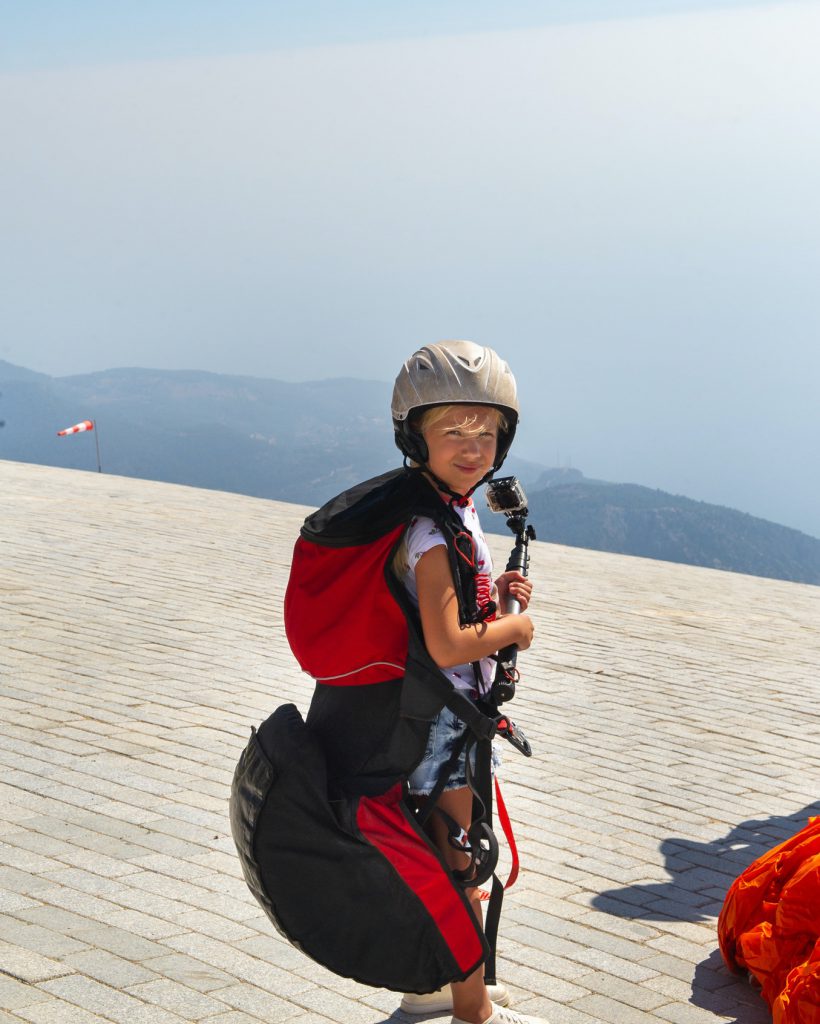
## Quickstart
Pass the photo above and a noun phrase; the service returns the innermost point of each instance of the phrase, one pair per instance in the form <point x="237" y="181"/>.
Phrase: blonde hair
<point x="401" y="560"/>
<point x="470" y="424"/>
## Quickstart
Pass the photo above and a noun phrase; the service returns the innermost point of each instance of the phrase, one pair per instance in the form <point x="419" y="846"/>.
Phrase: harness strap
<point x="479" y="842"/>
<point x="481" y="725"/>
<point x="446" y="771"/>
<point x="483" y="844"/>
<point x="496" y="895"/>
<point x="506" y="825"/>
<point x="491" y="922"/>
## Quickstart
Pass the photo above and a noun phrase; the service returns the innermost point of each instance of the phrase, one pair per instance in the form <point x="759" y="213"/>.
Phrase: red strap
<point x="506" y="826"/>
<point x="469" y="559"/>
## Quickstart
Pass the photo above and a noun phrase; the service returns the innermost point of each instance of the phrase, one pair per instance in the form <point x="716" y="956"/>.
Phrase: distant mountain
<point x="636" y="520"/>
<point x="271" y="439"/>
<point x="8" y="371"/>
<point x="296" y="442"/>
<point x="306" y="442"/>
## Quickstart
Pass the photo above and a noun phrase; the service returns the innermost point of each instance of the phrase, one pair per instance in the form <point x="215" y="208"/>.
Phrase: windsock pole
<point x="79" y="428"/>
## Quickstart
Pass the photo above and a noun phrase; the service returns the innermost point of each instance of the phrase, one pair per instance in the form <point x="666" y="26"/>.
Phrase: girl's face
<point x="462" y="445"/>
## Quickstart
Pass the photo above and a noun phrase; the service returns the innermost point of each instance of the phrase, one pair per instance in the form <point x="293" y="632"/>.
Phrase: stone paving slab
<point x="673" y="712"/>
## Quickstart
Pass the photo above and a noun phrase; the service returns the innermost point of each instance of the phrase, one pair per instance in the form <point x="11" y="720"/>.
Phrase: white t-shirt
<point x="421" y="536"/>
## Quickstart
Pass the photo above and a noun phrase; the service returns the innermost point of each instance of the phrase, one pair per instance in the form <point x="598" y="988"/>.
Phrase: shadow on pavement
<point x="701" y="873"/>
<point x="399" y="1017"/>
<point x="730" y="995"/>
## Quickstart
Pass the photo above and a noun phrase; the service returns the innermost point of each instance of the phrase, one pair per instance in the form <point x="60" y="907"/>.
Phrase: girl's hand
<point x="447" y="641"/>
<point x="513" y="585"/>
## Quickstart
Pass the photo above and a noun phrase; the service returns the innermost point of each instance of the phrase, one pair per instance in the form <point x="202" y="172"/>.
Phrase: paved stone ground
<point x="673" y="712"/>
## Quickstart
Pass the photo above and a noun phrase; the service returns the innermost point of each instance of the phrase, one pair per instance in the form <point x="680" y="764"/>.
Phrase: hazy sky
<point x="627" y="209"/>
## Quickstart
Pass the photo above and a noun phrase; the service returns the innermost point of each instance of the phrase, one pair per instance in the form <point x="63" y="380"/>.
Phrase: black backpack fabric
<point x="328" y="844"/>
<point x="352" y="882"/>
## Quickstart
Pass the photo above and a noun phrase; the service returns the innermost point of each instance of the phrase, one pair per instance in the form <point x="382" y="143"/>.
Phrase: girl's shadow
<point x="701" y="873"/>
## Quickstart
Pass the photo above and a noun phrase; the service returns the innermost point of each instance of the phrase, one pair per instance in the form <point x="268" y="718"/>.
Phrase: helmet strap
<point x="455" y="497"/>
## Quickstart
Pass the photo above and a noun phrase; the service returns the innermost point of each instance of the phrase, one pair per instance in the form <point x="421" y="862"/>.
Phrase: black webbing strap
<point x="481" y="725"/>
<point x="483" y="788"/>
<point x="491" y="921"/>
<point x="481" y="730"/>
<point x="446" y="771"/>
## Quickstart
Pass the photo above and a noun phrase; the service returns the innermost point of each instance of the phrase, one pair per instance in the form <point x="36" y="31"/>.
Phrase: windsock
<point x="85" y="425"/>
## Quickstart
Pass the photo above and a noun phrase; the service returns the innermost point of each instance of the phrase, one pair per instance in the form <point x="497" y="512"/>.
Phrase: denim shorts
<point x="445" y="731"/>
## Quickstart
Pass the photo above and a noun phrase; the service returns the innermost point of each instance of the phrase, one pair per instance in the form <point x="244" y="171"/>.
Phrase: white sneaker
<point x="501" y="1016"/>
<point x="437" y="1002"/>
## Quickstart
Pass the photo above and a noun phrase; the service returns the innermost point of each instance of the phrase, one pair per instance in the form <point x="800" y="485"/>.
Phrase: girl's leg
<point x="470" y="1000"/>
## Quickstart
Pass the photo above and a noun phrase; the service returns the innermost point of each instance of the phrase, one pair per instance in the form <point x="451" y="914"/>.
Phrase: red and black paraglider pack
<point x="329" y="846"/>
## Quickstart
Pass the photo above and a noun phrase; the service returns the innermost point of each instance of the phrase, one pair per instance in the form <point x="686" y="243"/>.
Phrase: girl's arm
<point x="447" y="642"/>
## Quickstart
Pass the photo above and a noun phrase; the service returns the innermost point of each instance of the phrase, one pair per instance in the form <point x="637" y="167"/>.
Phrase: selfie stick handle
<point x="504" y="685"/>
<point x="519" y="560"/>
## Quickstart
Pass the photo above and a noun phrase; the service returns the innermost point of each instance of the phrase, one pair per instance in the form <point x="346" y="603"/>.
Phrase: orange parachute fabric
<point x="770" y="926"/>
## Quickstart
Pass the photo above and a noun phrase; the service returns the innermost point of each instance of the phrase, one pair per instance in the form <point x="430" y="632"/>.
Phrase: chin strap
<point x="455" y="497"/>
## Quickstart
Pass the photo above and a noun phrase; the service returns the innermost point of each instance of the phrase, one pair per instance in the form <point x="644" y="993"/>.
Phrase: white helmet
<point x="449" y="373"/>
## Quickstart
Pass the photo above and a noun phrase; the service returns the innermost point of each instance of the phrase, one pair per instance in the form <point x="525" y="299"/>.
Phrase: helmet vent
<point x="471" y="364"/>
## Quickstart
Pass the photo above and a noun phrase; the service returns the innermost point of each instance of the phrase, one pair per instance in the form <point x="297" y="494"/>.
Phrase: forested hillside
<point x="306" y="442"/>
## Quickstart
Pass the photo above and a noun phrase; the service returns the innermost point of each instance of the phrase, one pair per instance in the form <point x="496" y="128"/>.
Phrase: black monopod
<point x="507" y="495"/>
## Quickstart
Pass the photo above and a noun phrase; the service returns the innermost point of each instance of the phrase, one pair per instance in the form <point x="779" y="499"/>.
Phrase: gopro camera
<point x="506" y="495"/>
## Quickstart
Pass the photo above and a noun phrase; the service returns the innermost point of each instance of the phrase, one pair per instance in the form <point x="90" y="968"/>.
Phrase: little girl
<point x="394" y="621"/>
<point x="455" y="412"/>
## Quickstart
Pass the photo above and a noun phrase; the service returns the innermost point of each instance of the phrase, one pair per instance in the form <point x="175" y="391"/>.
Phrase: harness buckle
<point x="506" y="727"/>
<point x="460" y="840"/>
